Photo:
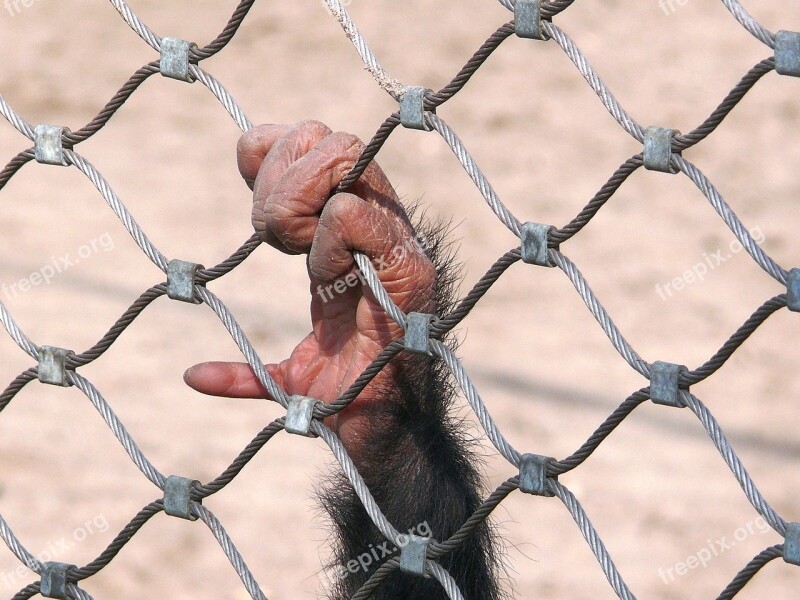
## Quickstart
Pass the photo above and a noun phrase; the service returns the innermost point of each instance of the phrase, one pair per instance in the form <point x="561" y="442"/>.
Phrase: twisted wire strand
<point x="732" y="460"/>
<point x="224" y="97"/>
<point x="354" y="477"/>
<point x="744" y="576"/>
<point x="17" y="121"/>
<point x="244" y="457"/>
<point x="559" y="236"/>
<point x="479" y="179"/>
<point x="387" y="83"/>
<point x="230" y="263"/>
<point x="600" y="434"/>
<point x="111" y="107"/>
<point x="734" y="342"/>
<point x="476" y="519"/>
<point x="15" y="386"/>
<point x="13" y="543"/>
<point x="381" y="295"/>
<point x="731" y="220"/>
<point x="245" y="347"/>
<point x="731" y="101"/>
<point x="117" y="428"/>
<point x="590" y="535"/>
<point x="230" y="550"/>
<point x="110" y="196"/>
<point x="600" y="314"/>
<point x="442" y="576"/>
<point x="574" y="53"/>
<point x="14" y="165"/>
<point x="16" y="333"/>
<point x="142" y="30"/>
<point x="479" y="408"/>
<point x="84" y="358"/>
<point x="378" y="577"/>
<point x="758" y="31"/>
<point x="458" y="82"/>
<point x="224" y="38"/>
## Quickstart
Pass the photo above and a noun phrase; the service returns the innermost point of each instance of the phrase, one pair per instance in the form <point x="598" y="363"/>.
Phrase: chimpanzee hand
<point x="293" y="170"/>
<point x="418" y="467"/>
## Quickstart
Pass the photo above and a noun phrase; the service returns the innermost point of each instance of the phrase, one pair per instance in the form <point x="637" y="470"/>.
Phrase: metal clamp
<point x="48" y="147"/>
<point x="299" y="415"/>
<point x="181" y="281"/>
<point x="534" y="244"/>
<point x="533" y="474"/>
<point x="412" y="555"/>
<point x="178" y="497"/>
<point x="418" y="331"/>
<point x="175" y="58"/>
<point x="791" y="544"/>
<point x="787" y="53"/>
<point x="793" y="290"/>
<point x="664" y="384"/>
<point x="52" y="365"/>
<point x="54" y="580"/>
<point x="528" y="19"/>
<point x="412" y="108"/>
<point x="658" y="149"/>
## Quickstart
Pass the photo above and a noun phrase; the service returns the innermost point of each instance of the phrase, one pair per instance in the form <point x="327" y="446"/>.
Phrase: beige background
<point x="657" y="490"/>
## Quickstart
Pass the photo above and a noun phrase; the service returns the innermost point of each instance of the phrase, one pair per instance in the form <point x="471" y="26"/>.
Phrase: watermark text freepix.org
<point x="14" y="7"/>
<point x="702" y="268"/>
<point x="57" y="265"/>
<point x="377" y="553"/>
<point x="391" y="258"/>
<point x="714" y="548"/>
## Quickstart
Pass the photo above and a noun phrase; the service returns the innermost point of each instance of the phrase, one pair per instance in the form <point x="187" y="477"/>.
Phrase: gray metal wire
<point x="551" y="34"/>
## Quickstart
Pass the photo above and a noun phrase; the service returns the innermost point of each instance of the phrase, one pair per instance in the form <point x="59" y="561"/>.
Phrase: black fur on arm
<point x="420" y="468"/>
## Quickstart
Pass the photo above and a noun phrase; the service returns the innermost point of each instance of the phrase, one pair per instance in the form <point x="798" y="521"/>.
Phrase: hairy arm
<point x="411" y="454"/>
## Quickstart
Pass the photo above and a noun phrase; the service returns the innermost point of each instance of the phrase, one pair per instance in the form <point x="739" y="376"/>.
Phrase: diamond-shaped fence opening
<point x="540" y="245"/>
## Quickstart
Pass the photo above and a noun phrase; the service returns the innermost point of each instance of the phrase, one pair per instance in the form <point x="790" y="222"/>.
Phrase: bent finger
<point x="347" y="224"/>
<point x="292" y="208"/>
<point x="253" y="146"/>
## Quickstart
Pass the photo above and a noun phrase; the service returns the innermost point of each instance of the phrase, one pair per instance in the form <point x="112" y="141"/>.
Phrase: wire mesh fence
<point x="539" y="245"/>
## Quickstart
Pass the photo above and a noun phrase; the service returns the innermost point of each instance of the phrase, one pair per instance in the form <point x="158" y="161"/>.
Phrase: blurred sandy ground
<point x="657" y="490"/>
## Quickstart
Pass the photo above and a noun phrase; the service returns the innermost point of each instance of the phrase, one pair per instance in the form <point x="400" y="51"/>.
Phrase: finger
<point x="285" y="152"/>
<point x="253" y="146"/>
<point x="229" y="379"/>
<point x="349" y="223"/>
<point x="291" y="209"/>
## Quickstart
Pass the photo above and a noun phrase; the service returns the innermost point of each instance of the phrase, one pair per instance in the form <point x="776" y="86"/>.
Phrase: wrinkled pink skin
<point x="292" y="171"/>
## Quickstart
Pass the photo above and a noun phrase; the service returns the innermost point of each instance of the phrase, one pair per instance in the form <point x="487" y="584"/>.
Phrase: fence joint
<point x="412" y="555"/>
<point x="787" y="53"/>
<point x="178" y="497"/>
<point x="658" y="149"/>
<point x="48" y="145"/>
<point x="54" y="580"/>
<point x="534" y="244"/>
<point x="528" y="19"/>
<point x="412" y="108"/>
<point x="664" y="384"/>
<point x="181" y="279"/>
<point x="52" y="365"/>
<point x="175" y="58"/>
<point x="533" y="474"/>
<point x="417" y="338"/>
<point x="793" y="290"/>
<point x="299" y="415"/>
